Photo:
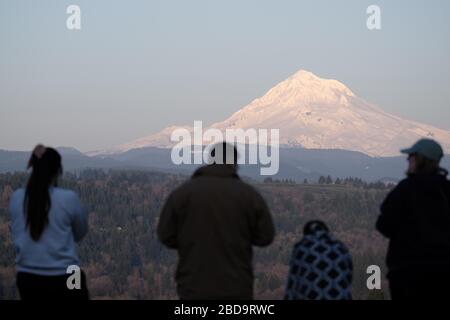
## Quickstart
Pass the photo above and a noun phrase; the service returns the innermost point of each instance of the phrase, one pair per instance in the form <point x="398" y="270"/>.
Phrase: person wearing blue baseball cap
<point x="424" y="156"/>
<point x="415" y="217"/>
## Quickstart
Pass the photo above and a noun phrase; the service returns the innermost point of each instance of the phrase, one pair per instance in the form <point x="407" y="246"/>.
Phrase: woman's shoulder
<point x="18" y="194"/>
<point x="19" y="191"/>
<point x="16" y="201"/>
<point x="64" y="193"/>
<point x="407" y="182"/>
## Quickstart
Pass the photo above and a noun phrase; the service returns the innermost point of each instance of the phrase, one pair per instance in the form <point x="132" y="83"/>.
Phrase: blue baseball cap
<point x="426" y="147"/>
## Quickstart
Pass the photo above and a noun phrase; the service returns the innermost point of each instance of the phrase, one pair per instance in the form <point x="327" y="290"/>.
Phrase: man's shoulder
<point x="183" y="189"/>
<point x="248" y="190"/>
<point x="245" y="185"/>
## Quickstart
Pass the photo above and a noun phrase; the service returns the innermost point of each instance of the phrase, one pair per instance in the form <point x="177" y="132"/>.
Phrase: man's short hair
<point x="224" y="153"/>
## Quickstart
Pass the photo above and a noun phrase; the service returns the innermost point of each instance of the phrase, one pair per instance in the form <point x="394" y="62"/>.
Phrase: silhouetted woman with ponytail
<point x="46" y="221"/>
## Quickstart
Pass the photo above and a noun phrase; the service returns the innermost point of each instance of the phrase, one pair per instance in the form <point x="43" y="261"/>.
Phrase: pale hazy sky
<point x="136" y="67"/>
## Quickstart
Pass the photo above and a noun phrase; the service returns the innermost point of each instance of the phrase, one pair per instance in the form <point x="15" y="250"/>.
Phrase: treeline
<point x="354" y="182"/>
<point x="123" y="258"/>
<point x="285" y="181"/>
<point x="348" y="181"/>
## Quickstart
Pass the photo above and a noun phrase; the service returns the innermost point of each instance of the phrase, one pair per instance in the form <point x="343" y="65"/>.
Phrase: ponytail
<point x="46" y="167"/>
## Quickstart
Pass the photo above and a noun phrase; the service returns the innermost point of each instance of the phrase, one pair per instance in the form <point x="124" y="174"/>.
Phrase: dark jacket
<point x="213" y="220"/>
<point x="415" y="216"/>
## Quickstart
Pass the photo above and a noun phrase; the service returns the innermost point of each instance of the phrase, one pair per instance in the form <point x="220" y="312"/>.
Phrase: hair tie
<point x="37" y="153"/>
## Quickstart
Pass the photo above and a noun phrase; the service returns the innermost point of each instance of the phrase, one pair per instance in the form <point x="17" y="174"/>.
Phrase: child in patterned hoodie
<point x="320" y="268"/>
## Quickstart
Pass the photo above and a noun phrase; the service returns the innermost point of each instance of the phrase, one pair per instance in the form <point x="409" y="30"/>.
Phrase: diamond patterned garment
<point x="320" y="269"/>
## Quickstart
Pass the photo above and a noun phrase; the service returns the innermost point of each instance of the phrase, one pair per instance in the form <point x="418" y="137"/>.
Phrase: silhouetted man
<point x="213" y="220"/>
<point x="415" y="216"/>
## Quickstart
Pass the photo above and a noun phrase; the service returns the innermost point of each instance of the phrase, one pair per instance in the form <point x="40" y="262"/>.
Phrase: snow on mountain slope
<point x="159" y="140"/>
<point x="317" y="113"/>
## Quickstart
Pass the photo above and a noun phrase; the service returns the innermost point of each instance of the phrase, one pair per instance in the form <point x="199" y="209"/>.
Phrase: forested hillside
<point x="123" y="258"/>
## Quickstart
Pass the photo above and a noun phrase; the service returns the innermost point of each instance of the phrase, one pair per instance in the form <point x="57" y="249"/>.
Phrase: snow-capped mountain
<point x="317" y="113"/>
